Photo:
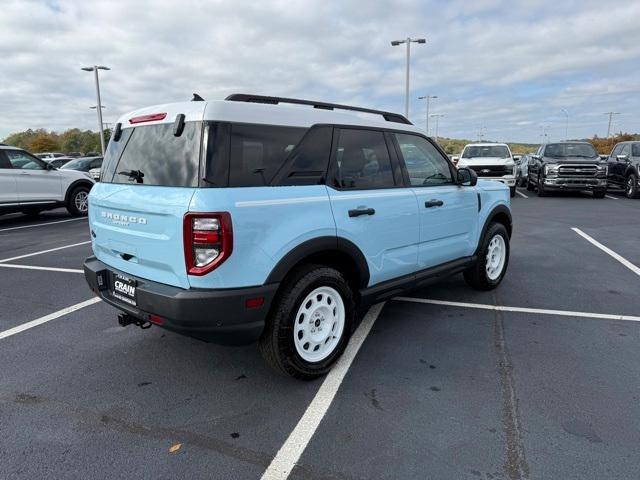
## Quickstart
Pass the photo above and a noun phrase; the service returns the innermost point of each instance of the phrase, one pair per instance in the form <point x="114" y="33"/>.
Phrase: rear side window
<point x="308" y="162"/>
<point x="4" y="161"/>
<point x="258" y="152"/>
<point x="362" y="160"/>
<point x="153" y="155"/>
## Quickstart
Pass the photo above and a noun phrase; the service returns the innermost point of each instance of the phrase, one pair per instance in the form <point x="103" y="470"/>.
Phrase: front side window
<point x="258" y="152"/>
<point x="625" y="149"/>
<point x="635" y="149"/>
<point x="425" y="165"/>
<point x="23" y="160"/>
<point x="616" y="150"/>
<point x="362" y="160"/>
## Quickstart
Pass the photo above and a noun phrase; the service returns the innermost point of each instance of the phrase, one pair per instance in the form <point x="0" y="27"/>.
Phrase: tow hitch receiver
<point x="125" y="319"/>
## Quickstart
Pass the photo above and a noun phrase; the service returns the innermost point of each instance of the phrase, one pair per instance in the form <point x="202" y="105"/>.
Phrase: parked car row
<point x="558" y="166"/>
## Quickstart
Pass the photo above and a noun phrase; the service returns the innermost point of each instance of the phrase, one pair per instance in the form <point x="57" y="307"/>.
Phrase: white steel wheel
<point x="496" y="256"/>
<point x="319" y="324"/>
<point x="81" y="201"/>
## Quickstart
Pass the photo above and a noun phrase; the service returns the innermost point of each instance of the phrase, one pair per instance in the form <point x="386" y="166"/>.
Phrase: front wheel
<point x="599" y="193"/>
<point x="512" y="192"/>
<point x="541" y="191"/>
<point x="309" y="324"/>
<point x="493" y="258"/>
<point x="631" y="187"/>
<point x="78" y="204"/>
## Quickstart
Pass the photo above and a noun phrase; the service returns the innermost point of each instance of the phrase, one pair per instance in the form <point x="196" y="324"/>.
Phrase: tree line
<point x="72" y="140"/>
<point x="85" y="141"/>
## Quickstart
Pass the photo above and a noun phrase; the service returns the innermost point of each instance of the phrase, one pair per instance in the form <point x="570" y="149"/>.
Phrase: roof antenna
<point x="197" y="98"/>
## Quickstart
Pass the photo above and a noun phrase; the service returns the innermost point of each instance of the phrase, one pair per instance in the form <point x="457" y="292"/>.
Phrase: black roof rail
<point x="244" y="97"/>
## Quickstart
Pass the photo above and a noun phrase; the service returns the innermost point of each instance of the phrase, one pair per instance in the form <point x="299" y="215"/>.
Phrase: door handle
<point x="433" y="203"/>
<point x="361" y="211"/>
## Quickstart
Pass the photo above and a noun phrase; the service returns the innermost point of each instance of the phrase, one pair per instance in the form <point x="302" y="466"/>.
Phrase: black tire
<point x="476" y="276"/>
<point x="530" y="186"/>
<point x="599" y="193"/>
<point x="541" y="191"/>
<point x="631" y="187"/>
<point x="512" y="192"/>
<point x="74" y="206"/>
<point x="276" y="343"/>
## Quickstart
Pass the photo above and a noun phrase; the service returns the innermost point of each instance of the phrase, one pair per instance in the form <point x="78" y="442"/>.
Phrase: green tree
<point x="44" y="142"/>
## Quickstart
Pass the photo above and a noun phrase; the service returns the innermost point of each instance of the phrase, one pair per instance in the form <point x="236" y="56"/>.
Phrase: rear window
<point x="258" y="152"/>
<point x="152" y="155"/>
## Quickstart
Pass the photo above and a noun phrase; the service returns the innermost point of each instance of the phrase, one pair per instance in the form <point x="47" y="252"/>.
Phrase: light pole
<point x="408" y="41"/>
<point x="427" y="98"/>
<point x="95" y="69"/>
<point x="611" y="114"/>
<point x="566" y="125"/>
<point x="437" y="117"/>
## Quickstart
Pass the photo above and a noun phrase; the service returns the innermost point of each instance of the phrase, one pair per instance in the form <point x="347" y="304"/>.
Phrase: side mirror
<point x="622" y="158"/>
<point x="467" y="177"/>
<point x="48" y="166"/>
<point x="455" y="159"/>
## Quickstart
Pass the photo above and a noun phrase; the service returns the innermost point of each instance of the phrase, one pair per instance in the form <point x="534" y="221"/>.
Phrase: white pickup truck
<point x="491" y="161"/>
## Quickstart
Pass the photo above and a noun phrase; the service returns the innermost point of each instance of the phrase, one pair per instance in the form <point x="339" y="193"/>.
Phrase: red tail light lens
<point x="208" y="241"/>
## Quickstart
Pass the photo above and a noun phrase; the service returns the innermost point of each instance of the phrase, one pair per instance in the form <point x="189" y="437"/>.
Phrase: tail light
<point x="208" y="241"/>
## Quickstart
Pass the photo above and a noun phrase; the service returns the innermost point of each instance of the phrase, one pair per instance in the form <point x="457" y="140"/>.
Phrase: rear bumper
<point x="587" y="183"/>
<point x="218" y="316"/>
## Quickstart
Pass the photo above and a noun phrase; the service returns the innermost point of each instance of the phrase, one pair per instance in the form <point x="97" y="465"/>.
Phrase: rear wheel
<point x="493" y="258"/>
<point x="310" y="322"/>
<point x="78" y="203"/>
<point x="631" y="187"/>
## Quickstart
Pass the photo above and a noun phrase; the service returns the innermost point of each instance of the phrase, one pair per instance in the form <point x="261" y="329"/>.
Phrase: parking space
<point x="449" y="390"/>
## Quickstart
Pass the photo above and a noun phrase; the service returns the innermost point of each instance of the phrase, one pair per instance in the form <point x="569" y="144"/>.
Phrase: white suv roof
<point x="487" y="144"/>
<point x="270" y="111"/>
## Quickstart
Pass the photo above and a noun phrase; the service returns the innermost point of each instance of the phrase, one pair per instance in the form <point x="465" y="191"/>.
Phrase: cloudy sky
<point x="505" y="68"/>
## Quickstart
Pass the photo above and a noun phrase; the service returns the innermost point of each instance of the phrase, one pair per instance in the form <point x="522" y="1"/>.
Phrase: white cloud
<point x="506" y="66"/>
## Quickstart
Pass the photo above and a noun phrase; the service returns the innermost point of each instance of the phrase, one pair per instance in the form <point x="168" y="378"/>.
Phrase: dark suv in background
<point x="624" y="168"/>
<point x="569" y="166"/>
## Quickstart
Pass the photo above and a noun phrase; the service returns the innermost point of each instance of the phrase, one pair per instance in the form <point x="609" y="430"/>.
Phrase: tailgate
<point x="138" y="230"/>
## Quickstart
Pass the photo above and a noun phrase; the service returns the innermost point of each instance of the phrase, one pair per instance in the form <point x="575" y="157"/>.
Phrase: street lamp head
<point x="395" y="43"/>
<point x="101" y="67"/>
<point x="87" y="69"/>
<point x="420" y="40"/>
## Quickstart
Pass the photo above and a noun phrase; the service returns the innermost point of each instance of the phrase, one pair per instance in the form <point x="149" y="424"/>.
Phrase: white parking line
<point x="502" y="308"/>
<point x="290" y="452"/>
<point x="522" y="194"/>
<point x="47" y="318"/>
<point x="608" y="251"/>
<point x="612" y="198"/>
<point x="48" y="269"/>
<point x="42" y="224"/>
<point x="43" y="251"/>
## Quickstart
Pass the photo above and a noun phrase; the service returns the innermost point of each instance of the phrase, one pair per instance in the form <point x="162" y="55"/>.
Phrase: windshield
<point x="561" y="150"/>
<point x="153" y="155"/>
<point x="79" y="164"/>
<point x="483" y="151"/>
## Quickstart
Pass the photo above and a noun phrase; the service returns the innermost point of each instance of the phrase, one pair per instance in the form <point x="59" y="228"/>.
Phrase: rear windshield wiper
<point x="136" y="175"/>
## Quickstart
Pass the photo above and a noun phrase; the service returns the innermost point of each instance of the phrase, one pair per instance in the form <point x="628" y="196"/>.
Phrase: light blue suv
<point x="276" y="220"/>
